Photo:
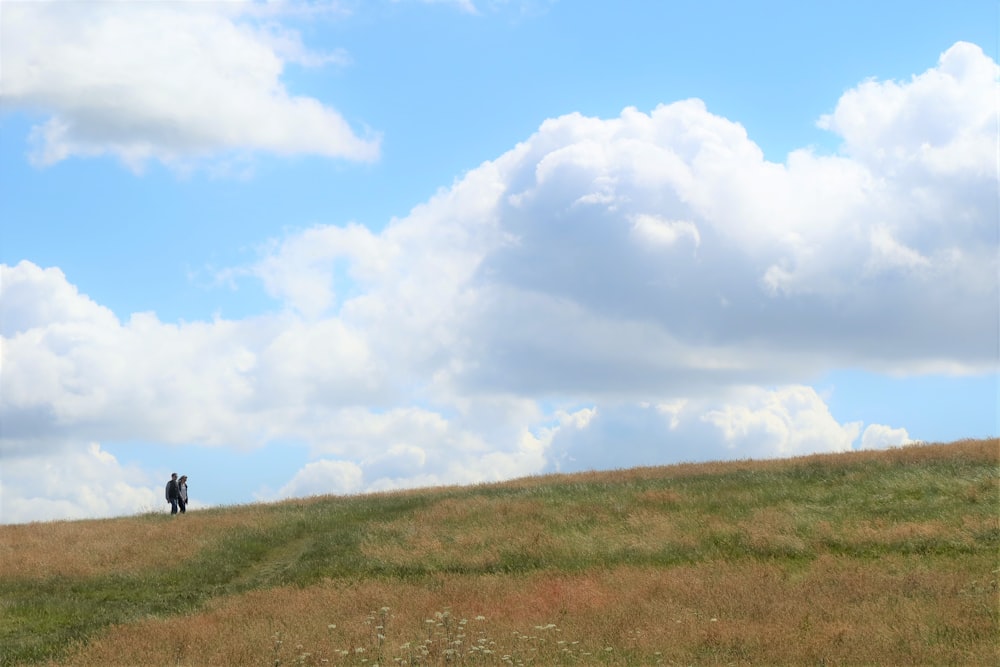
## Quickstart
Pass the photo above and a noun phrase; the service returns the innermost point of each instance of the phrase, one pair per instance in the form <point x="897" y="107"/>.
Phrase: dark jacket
<point x="172" y="492"/>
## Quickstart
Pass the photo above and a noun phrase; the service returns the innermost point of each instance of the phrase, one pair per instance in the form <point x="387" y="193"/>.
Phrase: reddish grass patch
<point x="832" y="611"/>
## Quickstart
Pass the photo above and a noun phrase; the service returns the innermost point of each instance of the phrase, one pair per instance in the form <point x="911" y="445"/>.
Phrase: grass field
<point x="867" y="558"/>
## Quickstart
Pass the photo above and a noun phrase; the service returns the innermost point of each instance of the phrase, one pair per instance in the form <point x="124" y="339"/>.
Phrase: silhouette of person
<point x="173" y="493"/>
<point x="182" y="492"/>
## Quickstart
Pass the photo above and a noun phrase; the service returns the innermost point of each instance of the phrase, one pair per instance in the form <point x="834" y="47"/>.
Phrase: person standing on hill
<point x="173" y="493"/>
<point x="182" y="492"/>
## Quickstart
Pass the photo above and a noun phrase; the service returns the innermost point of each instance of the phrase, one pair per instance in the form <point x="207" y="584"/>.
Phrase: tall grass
<point x="863" y="558"/>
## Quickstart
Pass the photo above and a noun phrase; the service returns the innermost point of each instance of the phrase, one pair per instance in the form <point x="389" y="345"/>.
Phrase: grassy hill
<point x="886" y="557"/>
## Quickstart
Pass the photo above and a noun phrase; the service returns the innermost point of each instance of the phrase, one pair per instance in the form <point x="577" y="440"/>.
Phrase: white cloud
<point x="301" y="271"/>
<point x="888" y="254"/>
<point x="934" y="123"/>
<point x="749" y="422"/>
<point x="324" y="477"/>
<point x="70" y="366"/>
<point x="786" y="422"/>
<point x="173" y="82"/>
<point x="607" y="293"/>
<point x="82" y="482"/>
<point x="653" y="231"/>
<point x="474" y="7"/>
<point x="467" y="6"/>
<point x="878" y="436"/>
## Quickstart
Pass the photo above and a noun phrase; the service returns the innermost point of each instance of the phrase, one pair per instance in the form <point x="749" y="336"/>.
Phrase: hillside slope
<point x="885" y="557"/>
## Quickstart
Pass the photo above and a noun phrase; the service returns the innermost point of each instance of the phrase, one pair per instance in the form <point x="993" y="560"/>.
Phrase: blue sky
<point x="334" y="247"/>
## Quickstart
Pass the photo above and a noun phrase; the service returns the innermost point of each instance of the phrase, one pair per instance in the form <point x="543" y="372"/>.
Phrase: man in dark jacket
<point x="173" y="494"/>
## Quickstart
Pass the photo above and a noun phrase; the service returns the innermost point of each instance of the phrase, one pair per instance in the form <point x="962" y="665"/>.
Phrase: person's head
<point x="184" y="478"/>
<point x="173" y="476"/>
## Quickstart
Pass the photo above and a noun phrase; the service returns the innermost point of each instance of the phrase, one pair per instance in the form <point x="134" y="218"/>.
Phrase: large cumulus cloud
<point x="671" y="232"/>
<point x="610" y="292"/>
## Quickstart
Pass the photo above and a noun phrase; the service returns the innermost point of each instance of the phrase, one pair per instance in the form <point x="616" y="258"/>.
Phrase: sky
<point x="336" y="247"/>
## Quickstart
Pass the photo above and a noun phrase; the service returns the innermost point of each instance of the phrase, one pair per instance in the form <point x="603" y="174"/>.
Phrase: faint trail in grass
<point x="273" y="568"/>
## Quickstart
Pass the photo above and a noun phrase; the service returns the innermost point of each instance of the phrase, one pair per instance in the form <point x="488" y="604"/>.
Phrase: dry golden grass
<point x="772" y="531"/>
<point x="471" y="532"/>
<point x="833" y="610"/>
<point x="648" y="531"/>
<point x="116" y="546"/>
